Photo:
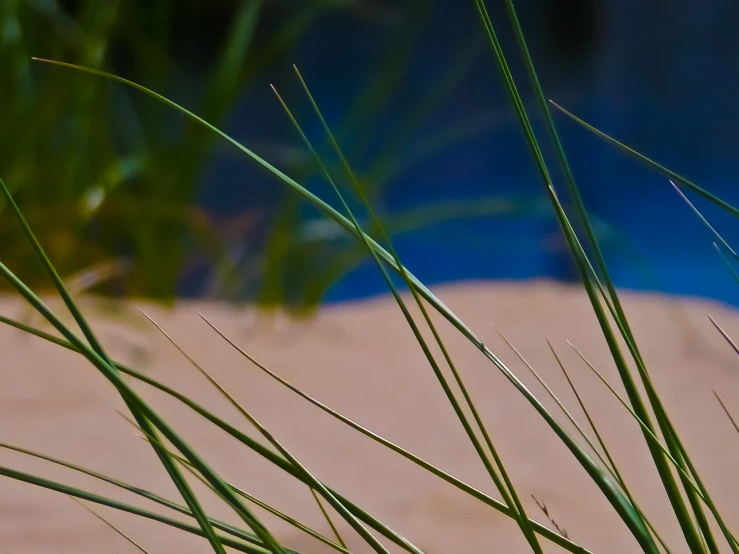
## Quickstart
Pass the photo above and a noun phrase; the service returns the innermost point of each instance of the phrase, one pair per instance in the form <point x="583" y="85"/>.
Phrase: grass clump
<point x="703" y="528"/>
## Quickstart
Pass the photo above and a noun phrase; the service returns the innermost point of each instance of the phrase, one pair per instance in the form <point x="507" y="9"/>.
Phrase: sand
<point x="361" y="359"/>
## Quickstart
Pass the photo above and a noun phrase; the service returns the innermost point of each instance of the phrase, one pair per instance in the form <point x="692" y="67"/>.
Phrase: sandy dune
<point x="361" y="359"/>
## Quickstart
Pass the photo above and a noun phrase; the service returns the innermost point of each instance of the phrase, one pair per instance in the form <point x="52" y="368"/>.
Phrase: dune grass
<point x="688" y="498"/>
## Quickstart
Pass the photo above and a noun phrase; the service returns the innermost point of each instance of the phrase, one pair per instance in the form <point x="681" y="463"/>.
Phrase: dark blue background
<point x="661" y="77"/>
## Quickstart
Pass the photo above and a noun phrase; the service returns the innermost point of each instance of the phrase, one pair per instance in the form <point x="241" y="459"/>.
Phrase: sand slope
<point x="361" y="359"/>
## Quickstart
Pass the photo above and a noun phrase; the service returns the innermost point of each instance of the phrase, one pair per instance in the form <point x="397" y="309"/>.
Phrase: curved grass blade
<point x="606" y="486"/>
<point x="312" y="481"/>
<point x="504" y="509"/>
<point x="322" y="206"/>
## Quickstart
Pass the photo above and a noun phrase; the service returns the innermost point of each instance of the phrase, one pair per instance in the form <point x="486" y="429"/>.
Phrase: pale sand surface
<point x="362" y="360"/>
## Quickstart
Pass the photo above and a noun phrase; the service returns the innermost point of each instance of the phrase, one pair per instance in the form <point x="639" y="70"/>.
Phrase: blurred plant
<point x="106" y="179"/>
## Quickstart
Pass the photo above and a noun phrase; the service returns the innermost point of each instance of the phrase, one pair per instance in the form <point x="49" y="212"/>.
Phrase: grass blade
<point x="505" y="487"/>
<point x="726" y="411"/>
<point x="654" y="165"/>
<point x="109" y="524"/>
<point x="328" y="518"/>
<point x="671" y="488"/>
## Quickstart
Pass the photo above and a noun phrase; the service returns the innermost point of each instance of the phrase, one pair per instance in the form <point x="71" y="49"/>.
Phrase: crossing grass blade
<point x="504" y="485"/>
<point x="694" y="538"/>
<point x="328" y="519"/>
<point x="621" y="504"/>
<point x="611" y="462"/>
<point x="468" y="489"/>
<point x="99" y="352"/>
<point x="609" y="465"/>
<point x="253" y="499"/>
<point x="274" y="458"/>
<point x="683" y="464"/>
<point x="606" y="486"/>
<point x="313" y="482"/>
<point x="123" y="507"/>
<point x="543" y="531"/>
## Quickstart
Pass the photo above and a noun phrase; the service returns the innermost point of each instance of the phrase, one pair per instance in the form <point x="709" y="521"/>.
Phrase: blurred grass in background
<point x="87" y="160"/>
<point x="113" y="184"/>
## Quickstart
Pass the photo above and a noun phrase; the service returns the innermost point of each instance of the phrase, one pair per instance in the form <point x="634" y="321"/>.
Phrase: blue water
<point x="664" y="83"/>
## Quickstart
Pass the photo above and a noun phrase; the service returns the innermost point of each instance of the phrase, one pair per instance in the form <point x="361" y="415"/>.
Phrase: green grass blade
<point x="674" y="444"/>
<point x="322" y="206"/>
<point x="113" y="527"/>
<point x="328" y="518"/>
<point x="111" y="503"/>
<point x="559" y="403"/>
<point x="654" y="165"/>
<point x="505" y="486"/>
<point x="608" y="464"/>
<point x="245" y="495"/>
<point x="224" y="83"/>
<point x="313" y="482"/>
<point x="253" y="499"/>
<point x="618" y="501"/>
